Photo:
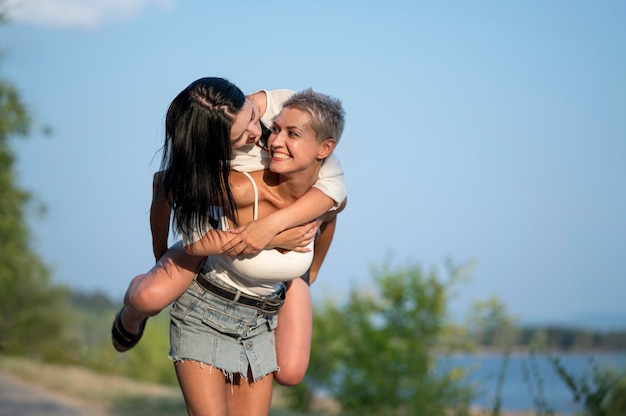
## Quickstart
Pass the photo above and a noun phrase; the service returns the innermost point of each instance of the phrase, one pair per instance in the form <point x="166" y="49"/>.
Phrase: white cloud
<point x="77" y="13"/>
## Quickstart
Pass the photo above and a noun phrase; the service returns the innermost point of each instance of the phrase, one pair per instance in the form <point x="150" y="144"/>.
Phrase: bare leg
<point x="293" y="334"/>
<point x="208" y="392"/>
<point x="250" y="398"/>
<point x="150" y="293"/>
<point x="204" y="388"/>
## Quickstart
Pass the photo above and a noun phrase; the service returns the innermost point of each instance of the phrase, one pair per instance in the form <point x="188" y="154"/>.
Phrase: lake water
<point x="524" y="372"/>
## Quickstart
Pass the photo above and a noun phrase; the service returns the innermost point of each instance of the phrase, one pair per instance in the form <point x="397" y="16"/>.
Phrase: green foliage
<point x="35" y="317"/>
<point x="602" y="393"/>
<point x="32" y="310"/>
<point x="93" y="316"/>
<point x="490" y="324"/>
<point x="615" y="403"/>
<point x="534" y="382"/>
<point x="574" y="339"/>
<point x="376" y="354"/>
<point x="149" y="359"/>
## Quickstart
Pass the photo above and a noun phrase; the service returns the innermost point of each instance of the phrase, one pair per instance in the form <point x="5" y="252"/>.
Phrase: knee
<point x="290" y="377"/>
<point x="145" y="299"/>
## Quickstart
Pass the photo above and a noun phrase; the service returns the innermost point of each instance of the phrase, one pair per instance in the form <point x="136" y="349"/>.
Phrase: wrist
<point x="273" y="224"/>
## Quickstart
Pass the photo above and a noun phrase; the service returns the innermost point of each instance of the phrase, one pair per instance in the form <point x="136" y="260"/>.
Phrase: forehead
<point x="242" y="119"/>
<point x="292" y="117"/>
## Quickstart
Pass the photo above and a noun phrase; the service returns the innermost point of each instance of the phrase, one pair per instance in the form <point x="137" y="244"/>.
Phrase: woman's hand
<point x="250" y="238"/>
<point x="259" y="235"/>
<point x="298" y="238"/>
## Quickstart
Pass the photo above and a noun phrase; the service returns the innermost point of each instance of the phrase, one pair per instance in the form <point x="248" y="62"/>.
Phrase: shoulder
<point x="274" y="101"/>
<point x="331" y="167"/>
<point x="242" y="189"/>
<point x="270" y="102"/>
<point x="259" y="98"/>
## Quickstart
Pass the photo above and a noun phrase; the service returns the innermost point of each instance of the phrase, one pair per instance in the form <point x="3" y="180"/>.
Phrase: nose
<point x="276" y="139"/>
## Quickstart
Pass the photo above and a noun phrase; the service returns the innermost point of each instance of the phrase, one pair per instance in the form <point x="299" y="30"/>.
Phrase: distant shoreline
<point x="524" y="351"/>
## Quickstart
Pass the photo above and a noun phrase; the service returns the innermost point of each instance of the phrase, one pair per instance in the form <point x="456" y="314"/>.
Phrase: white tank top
<point x="263" y="273"/>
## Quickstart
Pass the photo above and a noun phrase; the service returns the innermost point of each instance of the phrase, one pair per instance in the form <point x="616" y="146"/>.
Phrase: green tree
<point x="491" y="325"/>
<point x="30" y="307"/>
<point x="377" y="354"/>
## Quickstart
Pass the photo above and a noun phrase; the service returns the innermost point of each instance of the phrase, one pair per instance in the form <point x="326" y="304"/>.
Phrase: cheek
<point x="239" y="143"/>
<point x="310" y="150"/>
<point x="255" y="129"/>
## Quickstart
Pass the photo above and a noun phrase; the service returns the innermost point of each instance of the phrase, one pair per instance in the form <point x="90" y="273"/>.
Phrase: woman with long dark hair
<point x="210" y="128"/>
<point x="222" y="327"/>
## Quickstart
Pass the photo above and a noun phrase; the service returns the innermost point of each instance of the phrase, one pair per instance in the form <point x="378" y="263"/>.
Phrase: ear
<point x="326" y="148"/>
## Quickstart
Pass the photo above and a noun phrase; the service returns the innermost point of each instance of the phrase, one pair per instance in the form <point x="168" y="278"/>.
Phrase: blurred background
<point x="487" y="134"/>
<point x="486" y="131"/>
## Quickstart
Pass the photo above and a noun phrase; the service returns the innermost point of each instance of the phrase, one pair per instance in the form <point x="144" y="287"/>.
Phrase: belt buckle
<point x="273" y="305"/>
<point x="270" y="307"/>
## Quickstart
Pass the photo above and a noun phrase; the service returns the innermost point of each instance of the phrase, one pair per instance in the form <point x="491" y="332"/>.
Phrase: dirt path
<point x="20" y="398"/>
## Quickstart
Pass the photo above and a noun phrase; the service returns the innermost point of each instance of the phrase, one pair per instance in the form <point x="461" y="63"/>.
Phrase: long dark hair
<point x="197" y="151"/>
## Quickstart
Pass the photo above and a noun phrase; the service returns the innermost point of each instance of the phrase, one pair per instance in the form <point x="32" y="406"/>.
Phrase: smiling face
<point x="293" y="144"/>
<point x="246" y="128"/>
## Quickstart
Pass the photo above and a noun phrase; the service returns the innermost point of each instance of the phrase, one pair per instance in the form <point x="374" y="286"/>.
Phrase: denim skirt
<point x="223" y="334"/>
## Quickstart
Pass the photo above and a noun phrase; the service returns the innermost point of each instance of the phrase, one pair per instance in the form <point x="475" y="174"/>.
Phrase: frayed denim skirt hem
<point x="223" y="334"/>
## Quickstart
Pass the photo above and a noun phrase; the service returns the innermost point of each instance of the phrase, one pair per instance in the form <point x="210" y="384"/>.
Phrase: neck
<point x="298" y="183"/>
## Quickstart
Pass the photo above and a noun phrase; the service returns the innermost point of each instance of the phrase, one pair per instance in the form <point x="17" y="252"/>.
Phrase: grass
<point x="108" y="395"/>
<point x="112" y="395"/>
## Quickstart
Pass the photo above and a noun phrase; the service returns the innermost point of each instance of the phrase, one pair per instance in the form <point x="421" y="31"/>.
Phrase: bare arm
<point x="323" y="241"/>
<point x="259" y="234"/>
<point x="208" y="242"/>
<point x="209" y="245"/>
<point x="160" y="211"/>
<point x="322" y="244"/>
<point x="160" y="214"/>
<point x="297" y="238"/>
<point x="329" y="190"/>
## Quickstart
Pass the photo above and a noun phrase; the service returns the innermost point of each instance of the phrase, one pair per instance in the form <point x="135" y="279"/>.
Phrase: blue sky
<point x="483" y="131"/>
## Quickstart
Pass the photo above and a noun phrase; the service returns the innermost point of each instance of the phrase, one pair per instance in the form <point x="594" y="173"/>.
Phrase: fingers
<point x="235" y="250"/>
<point x="231" y="245"/>
<point x="239" y="249"/>
<point x="310" y="235"/>
<point x="301" y="250"/>
<point x="249" y="251"/>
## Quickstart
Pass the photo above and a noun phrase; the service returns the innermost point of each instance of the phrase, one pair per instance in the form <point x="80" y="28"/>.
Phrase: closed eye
<point x="265" y="134"/>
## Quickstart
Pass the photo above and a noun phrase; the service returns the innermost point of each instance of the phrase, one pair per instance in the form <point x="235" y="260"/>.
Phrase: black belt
<point x="266" y="306"/>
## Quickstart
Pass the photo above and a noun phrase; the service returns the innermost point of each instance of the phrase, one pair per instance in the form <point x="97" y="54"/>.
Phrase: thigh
<point x="204" y="388"/>
<point x="293" y="334"/>
<point x="250" y="398"/>
<point x="166" y="281"/>
<point x="176" y="263"/>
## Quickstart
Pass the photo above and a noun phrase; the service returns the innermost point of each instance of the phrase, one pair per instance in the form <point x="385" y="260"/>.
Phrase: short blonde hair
<point x="327" y="113"/>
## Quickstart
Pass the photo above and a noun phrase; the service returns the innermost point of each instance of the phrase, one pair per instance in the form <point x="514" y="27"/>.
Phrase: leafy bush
<point x="377" y="353"/>
<point x="32" y="309"/>
<point x="602" y="393"/>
